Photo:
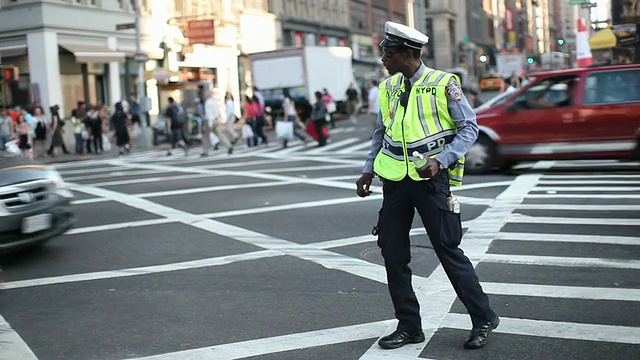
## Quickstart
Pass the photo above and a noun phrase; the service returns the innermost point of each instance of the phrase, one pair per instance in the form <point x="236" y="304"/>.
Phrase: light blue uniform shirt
<point x="463" y="117"/>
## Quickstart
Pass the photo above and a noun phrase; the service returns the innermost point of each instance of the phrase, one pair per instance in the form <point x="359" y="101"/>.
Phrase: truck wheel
<point x="480" y="158"/>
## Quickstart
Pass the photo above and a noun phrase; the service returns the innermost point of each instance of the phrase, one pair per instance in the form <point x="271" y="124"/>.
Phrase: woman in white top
<point x="230" y="110"/>
<point x="290" y="114"/>
<point x="41" y="130"/>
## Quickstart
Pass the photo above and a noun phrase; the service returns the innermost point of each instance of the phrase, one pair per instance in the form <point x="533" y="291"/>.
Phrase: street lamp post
<point x="141" y="58"/>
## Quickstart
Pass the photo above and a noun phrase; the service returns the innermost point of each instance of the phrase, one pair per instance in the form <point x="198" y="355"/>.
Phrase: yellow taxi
<point x="490" y="82"/>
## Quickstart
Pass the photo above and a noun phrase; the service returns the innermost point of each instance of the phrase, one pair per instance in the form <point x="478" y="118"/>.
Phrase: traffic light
<point x="530" y="60"/>
<point x="9" y="73"/>
<point x="483" y="58"/>
<point x="560" y="41"/>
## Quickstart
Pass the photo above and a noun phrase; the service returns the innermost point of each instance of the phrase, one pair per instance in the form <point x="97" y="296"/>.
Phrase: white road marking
<point x="562" y="292"/>
<point x="554" y="329"/>
<point x="616" y="240"/>
<point x="144" y="270"/>
<point x="587" y="188"/>
<point x="559" y="261"/>
<point x="12" y="347"/>
<point x="330" y="147"/>
<point x="524" y="219"/>
<point x="579" y="207"/>
<point x="591" y="176"/>
<point x="583" y="196"/>
<point x="589" y="182"/>
<point x="276" y="344"/>
<point x="152" y="179"/>
<point x="111" y="175"/>
<point x="355" y="148"/>
<point x="122" y="225"/>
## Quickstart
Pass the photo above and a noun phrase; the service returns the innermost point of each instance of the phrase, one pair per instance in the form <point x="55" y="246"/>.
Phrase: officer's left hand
<point x="430" y="169"/>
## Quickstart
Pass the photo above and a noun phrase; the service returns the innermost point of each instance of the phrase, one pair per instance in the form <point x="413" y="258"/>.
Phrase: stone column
<point x="44" y="68"/>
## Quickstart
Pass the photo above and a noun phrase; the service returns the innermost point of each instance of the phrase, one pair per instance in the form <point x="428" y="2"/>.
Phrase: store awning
<point x="94" y="53"/>
<point x="603" y="39"/>
<point x="160" y="74"/>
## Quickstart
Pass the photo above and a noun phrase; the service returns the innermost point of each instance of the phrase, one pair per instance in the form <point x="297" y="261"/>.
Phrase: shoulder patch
<point x="454" y="92"/>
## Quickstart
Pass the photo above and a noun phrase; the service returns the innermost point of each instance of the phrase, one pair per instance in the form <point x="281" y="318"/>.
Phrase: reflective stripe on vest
<point x="427" y="127"/>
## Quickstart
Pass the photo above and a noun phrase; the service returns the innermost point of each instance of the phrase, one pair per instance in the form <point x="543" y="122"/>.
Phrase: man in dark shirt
<point x="175" y="126"/>
<point x="352" y="102"/>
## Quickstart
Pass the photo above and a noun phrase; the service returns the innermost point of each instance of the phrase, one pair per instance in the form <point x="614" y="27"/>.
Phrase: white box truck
<point x="303" y="71"/>
<point x="509" y="64"/>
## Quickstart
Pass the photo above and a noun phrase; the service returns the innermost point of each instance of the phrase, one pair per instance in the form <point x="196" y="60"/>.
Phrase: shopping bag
<point x="12" y="147"/>
<point x="331" y="107"/>
<point x="213" y="139"/>
<point x="247" y="132"/>
<point x="106" y="145"/>
<point x="284" y="130"/>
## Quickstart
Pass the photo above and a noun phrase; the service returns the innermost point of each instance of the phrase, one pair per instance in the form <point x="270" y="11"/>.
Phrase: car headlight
<point x="60" y="188"/>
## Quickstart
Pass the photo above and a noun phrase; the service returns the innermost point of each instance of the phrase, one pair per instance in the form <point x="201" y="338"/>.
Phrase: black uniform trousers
<point x="444" y="228"/>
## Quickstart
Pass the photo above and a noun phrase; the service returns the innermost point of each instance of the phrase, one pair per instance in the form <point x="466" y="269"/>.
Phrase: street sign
<point x="588" y="5"/>
<point x="141" y="57"/>
<point x="126" y="26"/>
<point x="578" y="2"/>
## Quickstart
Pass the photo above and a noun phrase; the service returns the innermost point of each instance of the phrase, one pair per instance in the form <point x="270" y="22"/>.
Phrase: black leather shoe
<point x="479" y="336"/>
<point x="399" y="338"/>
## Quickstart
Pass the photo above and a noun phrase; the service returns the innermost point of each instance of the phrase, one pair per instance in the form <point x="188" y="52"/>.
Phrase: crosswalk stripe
<point x="559" y="261"/>
<point x="331" y="146"/>
<point x="579" y="207"/>
<point x="553" y="329"/>
<point x="585" y="188"/>
<point x="525" y="219"/>
<point x="366" y="145"/>
<point x="588" y="182"/>
<point x="563" y="292"/>
<point x="616" y="240"/>
<point x="583" y="196"/>
<point x="591" y="176"/>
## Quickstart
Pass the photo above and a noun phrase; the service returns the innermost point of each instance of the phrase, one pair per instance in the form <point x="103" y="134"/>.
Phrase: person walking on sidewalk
<point x="212" y="125"/>
<point x="352" y="103"/>
<point x="422" y="110"/>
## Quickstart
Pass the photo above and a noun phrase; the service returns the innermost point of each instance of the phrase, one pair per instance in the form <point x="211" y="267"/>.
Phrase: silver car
<point x="35" y="204"/>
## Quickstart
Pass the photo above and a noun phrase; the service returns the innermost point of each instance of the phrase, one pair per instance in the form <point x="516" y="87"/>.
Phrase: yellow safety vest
<point x="424" y="126"/>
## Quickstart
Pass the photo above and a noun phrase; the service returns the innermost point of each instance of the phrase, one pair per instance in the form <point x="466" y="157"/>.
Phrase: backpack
<point x="179" y="116"/>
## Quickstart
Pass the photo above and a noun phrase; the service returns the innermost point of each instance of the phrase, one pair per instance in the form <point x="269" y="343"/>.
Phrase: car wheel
<point x="481" y="157"/>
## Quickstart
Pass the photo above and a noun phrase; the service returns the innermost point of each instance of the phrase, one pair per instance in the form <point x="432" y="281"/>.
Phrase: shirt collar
<point x="418" y="74"/>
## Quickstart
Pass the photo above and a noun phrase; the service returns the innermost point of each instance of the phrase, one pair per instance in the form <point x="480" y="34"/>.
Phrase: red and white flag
<point x="583" y="50"/>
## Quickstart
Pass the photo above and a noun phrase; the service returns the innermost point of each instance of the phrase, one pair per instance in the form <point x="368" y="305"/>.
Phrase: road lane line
<point x="152" y="179"/>
<point x="308" y="168"/>
<point x="579" y="207"/>
<point x="554" y="329"/>
<point x="277" y="344"/>
<point x="562" y="292"/>
<point x="213" y="189"/>
<point x="113" y="174"/>
<point x="144" y="270"/>
<point x="587" y="188"/>
<point x="437" y="291"/>
<point x="591" y="176"/>
<point x="12" y="347"/>
<point x="583" y="196"/>
<point x="589" y="182"/>
<point x="596" y="239"/>
<point x="559" y="261"/>
<point x="331" y="146"/>
<point x="525" y="219"/>
<point x="115" y="226"/>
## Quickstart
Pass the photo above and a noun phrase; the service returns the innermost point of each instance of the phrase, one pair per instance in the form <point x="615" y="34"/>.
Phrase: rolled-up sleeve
<point x="464" y="119"/>
<point x="376" y="145"/>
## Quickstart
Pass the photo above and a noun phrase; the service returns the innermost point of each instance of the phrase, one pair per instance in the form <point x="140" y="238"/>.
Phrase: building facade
<point x="62" y="61"/>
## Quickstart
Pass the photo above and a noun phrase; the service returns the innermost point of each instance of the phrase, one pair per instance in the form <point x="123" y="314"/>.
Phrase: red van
<point x="589" y="113"/>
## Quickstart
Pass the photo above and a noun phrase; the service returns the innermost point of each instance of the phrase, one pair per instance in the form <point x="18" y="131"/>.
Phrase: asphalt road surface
<point x="267" y="254"/>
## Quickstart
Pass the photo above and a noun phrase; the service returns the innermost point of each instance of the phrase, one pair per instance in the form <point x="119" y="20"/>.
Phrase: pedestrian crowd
<point x="30" y="131"/>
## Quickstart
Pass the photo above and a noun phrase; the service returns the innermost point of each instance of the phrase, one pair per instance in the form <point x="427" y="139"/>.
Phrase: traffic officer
<point x="422" y="110"/>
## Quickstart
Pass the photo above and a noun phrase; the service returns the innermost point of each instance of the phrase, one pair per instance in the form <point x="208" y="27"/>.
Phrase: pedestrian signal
<point x="9" y="73"/>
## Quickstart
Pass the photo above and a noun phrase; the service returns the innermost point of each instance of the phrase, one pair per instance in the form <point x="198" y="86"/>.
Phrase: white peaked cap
<point x="401" y="35"/>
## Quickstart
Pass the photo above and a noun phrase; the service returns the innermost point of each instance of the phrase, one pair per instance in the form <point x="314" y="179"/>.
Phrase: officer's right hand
<point x="363" y="184"/>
